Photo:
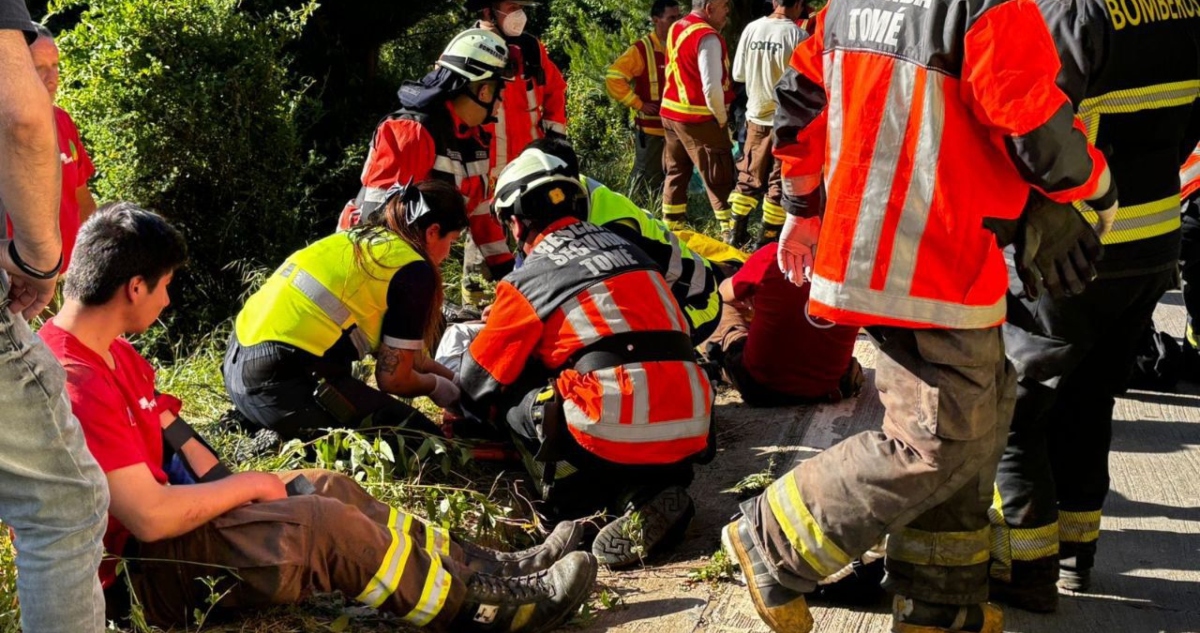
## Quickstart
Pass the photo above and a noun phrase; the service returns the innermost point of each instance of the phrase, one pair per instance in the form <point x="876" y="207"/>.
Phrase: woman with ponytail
<point x="375" y="290"/>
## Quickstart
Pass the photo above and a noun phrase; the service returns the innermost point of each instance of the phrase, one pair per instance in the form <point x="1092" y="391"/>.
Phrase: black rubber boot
<point x="1030" y="585"/>
<point x="1075" y="566"/>
<point x="770" y="233"/>
<point x="633" y="536"/>
<point x="739" y="233"/>
<point x="527" y="604"/>
<point x="562" y="541"/>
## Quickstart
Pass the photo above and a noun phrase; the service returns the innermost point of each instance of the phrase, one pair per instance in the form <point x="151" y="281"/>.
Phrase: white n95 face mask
<point x="514" y="23"/>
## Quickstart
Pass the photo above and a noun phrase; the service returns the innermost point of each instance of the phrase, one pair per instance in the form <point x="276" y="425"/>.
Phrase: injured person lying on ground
<point x="585" y="360"/>
<point x="262" y="538"/>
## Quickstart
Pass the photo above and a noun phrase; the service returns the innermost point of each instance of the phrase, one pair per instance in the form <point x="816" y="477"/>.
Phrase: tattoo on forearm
<point x="387" y="360"/>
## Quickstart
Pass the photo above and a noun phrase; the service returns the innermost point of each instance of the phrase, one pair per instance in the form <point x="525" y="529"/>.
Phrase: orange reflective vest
<point x="1189" y="176"/>
<point x="648" y="86"/>
<point x="918" y="139"/>
<point x="683" y="99"/>
<point x="532" y="105"/>
<point x="585" y="288"/>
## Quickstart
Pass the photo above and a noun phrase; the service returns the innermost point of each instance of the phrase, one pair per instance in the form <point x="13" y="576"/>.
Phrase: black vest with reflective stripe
<point x="571" y="260"/>
<point x="459" y="151"/>
<point x="1138" y="110"/>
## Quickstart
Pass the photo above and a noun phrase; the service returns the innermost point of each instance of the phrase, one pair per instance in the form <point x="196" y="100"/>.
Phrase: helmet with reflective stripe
<point x="476" y="54"/>
<point x="539" y="188"/>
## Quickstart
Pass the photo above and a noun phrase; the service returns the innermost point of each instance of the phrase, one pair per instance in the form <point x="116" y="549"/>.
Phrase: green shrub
<point x="189" y="109"/>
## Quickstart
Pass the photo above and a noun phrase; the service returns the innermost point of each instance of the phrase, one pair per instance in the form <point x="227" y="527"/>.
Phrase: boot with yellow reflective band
<point x="1024" y="566"/>
<point x="781" y="607"/>
<point x="915" y="616"/>
<point x="527" y="604"/>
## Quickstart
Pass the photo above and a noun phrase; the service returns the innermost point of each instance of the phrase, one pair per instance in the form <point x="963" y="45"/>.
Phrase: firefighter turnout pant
<point x="758" y="175"/>
<point x="337" y="539"/>
<point x="925" y="480"/>
<point x="707" y="148"/>
<point x="1074" y="356"/>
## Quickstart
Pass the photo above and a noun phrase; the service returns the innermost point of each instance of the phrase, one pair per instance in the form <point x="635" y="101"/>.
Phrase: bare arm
<point x="153" y="511"/>
<point x="395" y="372"/>
<point x="29" y="174"/>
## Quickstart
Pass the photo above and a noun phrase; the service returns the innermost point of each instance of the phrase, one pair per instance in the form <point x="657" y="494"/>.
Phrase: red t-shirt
<point x="77" y="169"/>
<point x="787" y="350"/>
<point x="119" y="413"/>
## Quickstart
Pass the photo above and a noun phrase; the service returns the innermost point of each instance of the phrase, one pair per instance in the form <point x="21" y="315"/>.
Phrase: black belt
<point x="633" y="347"/>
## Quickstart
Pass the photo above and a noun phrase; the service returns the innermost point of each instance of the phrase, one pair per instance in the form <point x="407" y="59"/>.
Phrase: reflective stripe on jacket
<point x="417" y="146"/>
<point x="643" y="65"/>
<point x="580" y="285"/>
<point x="1189" y="176"/>
<point x="915" y="120"/>
<point x="683" y="98"/>
<point x="690" y="277"/>
<point x="532" y="105"/>
<point x="323" y="292"/>
<point x="1134" y="75"/>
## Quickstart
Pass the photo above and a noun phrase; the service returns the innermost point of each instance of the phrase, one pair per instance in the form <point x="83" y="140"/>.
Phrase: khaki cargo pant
<point x="706" y="147"/>
<point x="925" y="480"/>
<point x="281" y="552"/>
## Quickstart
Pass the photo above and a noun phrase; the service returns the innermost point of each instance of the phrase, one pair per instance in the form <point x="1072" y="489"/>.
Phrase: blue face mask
<point x="520" y="258"/>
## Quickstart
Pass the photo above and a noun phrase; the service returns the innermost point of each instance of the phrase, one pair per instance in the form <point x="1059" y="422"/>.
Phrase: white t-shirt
<point x="762" y="58"/>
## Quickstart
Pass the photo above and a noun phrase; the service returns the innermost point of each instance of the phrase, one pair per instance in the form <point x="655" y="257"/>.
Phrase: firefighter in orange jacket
<point x="636" y="81"/>
<point x="627" y="410"/>
<point x="695" y="113"/>
<point x="438" y="133"/>
<point x="1189" y="181"/>
<point x="921" y="128"/>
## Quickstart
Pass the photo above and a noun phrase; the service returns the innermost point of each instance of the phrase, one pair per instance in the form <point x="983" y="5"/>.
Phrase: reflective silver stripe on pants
<point x="640" y="433"/>
<point x="915" y="214"/>
<point x="640" y="385"/>
<point x="611" y="398"/>
<point x="699" y="399"/>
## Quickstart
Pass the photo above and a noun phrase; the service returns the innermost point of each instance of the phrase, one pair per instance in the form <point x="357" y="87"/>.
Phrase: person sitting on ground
<point x="771" y="350"/>
<point x="267" y="538"/>
<point x="694" y="281"/>
<point x="372" y="290"/>
<point x="627" y="411"/>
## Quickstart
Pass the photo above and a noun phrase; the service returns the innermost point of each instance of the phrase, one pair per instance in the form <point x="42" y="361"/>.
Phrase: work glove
<point x="445" y="393"/>
<point x="798" y="247"/>
<point x="1055" y="247"/>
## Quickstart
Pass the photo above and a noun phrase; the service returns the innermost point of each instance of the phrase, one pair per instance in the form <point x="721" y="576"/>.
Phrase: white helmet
<point x="537" y="186"/>
<point x="476" y="54"/>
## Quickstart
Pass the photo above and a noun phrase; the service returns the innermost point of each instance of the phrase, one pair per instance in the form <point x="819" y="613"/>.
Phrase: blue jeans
<point x="52" y="493"/>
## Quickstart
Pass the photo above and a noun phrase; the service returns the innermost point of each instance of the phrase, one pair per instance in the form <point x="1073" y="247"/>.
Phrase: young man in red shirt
<point x="772" y="358"/>
<point x="268" y="538"/>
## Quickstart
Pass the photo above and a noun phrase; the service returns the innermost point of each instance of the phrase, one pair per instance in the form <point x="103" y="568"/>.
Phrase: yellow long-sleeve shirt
<point x="622" y="73"/>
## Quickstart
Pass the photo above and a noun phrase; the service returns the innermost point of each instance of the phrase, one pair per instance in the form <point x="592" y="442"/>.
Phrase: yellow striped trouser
<point x="1078" y="527"/>
<point x="742" y="204"/>
<point x="412" y="542"/>
<point x="1010" y="544"/>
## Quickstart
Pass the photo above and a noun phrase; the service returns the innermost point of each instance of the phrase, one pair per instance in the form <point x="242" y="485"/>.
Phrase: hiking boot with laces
<point x="916" y="616"/>
<point x="527" y="604"/>
<point x="634" y="535"/>
<point x="563" y="540"/>
<point x="782" y="608"/>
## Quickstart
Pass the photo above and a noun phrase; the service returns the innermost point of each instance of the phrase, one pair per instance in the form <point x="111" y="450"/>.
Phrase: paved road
<point x="1148" y="575"/>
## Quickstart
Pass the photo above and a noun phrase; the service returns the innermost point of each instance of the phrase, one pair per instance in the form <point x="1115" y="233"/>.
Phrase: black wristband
<point x="1106" y="201"/>
<point x="30" y="271"/>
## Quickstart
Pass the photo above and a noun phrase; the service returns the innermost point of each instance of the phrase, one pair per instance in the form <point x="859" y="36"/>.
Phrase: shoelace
<point x="522" y="588"/>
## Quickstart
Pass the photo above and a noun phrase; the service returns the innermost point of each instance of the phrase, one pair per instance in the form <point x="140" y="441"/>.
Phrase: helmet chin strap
<point x="487" y="107"/>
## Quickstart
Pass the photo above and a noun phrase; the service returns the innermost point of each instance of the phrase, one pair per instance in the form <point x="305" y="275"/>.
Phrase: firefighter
<point x="586" y="358"/>
<point x="1189" y="181"/>
<point x="533" y="105"/>
<point x="635" y="81"/>
<point x="921" y="130"/>
<point x="438" y="132"/>
<point x="1076" y="352"/>
<point x="695" y="113"/>
<point x="694" y="281"/>
<point x="763" y="53"/>
<point x="374" y="290"/>
<point x="270" y="538"/>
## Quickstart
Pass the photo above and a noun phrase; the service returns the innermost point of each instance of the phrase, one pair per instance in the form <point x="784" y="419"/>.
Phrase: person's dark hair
<point x="660" y="7"/>
<point x="560" y="148"/>
<point x="446" y="209"/>
<point x="119" y="242"/>
<point x="787" y="4"/>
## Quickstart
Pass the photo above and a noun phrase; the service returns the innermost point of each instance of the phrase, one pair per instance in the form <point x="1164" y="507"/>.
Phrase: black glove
<point x="805" y="205"/>
<point x="1055" y="247"/>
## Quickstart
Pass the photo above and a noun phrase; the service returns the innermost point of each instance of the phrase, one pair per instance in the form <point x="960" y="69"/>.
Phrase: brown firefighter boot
<point x="783" y="609"/>
<point x="527" y="604"/>
<point x="562" y="541"/>
<point x="915" y="616"/>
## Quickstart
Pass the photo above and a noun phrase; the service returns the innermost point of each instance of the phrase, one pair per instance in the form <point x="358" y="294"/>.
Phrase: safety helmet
<point x="538" y="187"/>
<point x="476" y="54"/>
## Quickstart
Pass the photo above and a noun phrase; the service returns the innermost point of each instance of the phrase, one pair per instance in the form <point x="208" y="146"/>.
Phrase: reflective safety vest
<point x="1189" y="176"/>
<point x="683" y="99"/>
<point x="690" y="276"/>
<point x="1140" y="99"/>
<point x="585" y="291"/>
<point x="322" y="293"/>
<point x="532" y="105"/>
<point x="648" y="86"/>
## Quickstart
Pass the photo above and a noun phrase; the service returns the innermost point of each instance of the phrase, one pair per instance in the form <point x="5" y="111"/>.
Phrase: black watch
<point x="30" y="271"/>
